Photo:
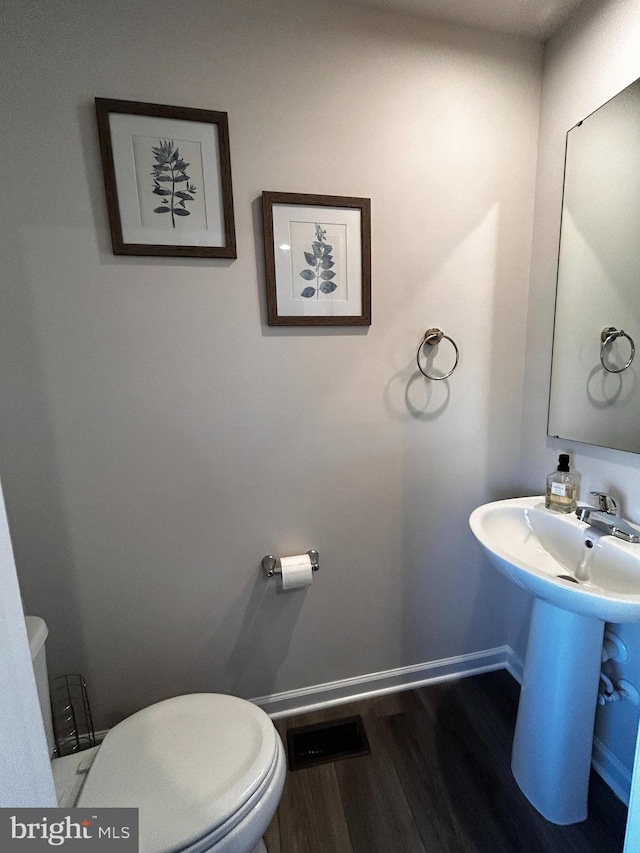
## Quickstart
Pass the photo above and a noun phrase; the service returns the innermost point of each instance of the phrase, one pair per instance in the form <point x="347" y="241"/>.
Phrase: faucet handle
<point x="606" y="503"/>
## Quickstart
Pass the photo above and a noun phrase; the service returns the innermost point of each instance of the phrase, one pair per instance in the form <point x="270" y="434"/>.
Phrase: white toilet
<point x="206" y="770"/>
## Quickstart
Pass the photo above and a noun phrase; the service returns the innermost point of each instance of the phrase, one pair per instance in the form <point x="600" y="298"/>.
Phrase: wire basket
<point x="72" y="722"/>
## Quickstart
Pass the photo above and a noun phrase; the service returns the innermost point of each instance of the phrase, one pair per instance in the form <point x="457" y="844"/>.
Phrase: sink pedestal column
<point x="551" y="758"/>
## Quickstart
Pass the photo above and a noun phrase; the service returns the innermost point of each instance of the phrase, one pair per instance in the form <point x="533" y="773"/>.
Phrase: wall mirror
<point x="595" y="387"/>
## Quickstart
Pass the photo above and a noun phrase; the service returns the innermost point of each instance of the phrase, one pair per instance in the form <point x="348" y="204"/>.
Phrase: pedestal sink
<point x="581" y="578"/>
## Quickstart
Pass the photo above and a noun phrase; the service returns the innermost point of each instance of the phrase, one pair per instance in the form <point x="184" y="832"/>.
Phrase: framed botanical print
<point x="317" y="259"/>
<point x="167" y="173"/>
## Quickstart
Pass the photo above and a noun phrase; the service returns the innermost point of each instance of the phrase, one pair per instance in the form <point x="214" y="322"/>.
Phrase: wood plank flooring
<point x="438" y="780"/>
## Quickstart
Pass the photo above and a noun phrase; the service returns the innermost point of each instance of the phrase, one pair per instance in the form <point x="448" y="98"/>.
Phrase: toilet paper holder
<point x="271" y="565"/>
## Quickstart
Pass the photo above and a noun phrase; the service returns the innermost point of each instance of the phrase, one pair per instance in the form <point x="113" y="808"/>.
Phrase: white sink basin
<point x="534" y="547"/>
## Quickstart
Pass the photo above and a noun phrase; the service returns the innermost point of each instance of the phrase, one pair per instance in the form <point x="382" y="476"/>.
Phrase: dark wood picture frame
<point x="216" y="192"/>
<point x="320" y="278"/>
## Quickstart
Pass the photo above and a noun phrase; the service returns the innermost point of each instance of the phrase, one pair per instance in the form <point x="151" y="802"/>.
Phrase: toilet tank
<point x="37" y="633"/>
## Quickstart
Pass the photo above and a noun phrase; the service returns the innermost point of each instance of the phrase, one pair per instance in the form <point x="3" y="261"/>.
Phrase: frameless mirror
<point x="595" y="392"/>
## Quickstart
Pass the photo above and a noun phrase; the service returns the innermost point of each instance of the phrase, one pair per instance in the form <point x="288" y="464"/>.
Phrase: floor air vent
<point x="324" y="742"/>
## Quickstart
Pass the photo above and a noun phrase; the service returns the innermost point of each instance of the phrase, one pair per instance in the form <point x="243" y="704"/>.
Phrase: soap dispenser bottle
<point x="562" y="487"/>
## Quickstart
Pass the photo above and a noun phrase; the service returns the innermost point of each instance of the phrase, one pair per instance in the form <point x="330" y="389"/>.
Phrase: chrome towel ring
<point x="608" y="336"/>
<point x="432" y="337"/>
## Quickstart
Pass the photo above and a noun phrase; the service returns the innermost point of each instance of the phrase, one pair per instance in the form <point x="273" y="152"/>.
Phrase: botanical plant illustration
<point x="169" y="172"/>
<point x="320" y="261"/>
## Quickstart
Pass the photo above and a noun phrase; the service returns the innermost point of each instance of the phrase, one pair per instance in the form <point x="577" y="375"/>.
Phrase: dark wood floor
<point x="438" y="780"/>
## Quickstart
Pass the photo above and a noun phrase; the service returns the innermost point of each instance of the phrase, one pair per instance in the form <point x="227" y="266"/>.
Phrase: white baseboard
<point x="375" y="684"/>
<point x="514" y="665"/>
<point x="612" y="770"/>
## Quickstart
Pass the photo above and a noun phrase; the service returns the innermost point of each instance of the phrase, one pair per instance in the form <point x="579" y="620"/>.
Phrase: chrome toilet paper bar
<point x="271" y="565"/>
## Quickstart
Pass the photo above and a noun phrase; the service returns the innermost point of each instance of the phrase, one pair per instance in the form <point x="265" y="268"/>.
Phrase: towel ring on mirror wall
<point x="432" y="337"/>
<point x="608" y="336"/>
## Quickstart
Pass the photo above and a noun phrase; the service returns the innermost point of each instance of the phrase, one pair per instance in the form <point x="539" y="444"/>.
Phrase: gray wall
<point x="159" y="438"/>
<point x="594" y="56"/>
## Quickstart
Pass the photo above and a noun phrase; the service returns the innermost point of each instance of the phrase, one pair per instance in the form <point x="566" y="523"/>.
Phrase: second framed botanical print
<point x="318" y="259"/>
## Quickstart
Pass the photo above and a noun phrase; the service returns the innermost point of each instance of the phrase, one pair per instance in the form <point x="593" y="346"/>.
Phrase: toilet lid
<point x="187" y="763"/>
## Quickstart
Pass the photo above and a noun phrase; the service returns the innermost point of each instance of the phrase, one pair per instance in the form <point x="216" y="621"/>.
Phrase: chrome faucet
<point x="606" y="503"/>
<point x="606" y="517"/>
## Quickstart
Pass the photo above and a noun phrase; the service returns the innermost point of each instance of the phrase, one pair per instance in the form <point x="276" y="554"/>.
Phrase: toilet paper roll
<point x="296" y="571"/>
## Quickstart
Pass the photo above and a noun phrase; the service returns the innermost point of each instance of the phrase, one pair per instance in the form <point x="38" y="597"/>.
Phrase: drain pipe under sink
<point x="614" y="693"/>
